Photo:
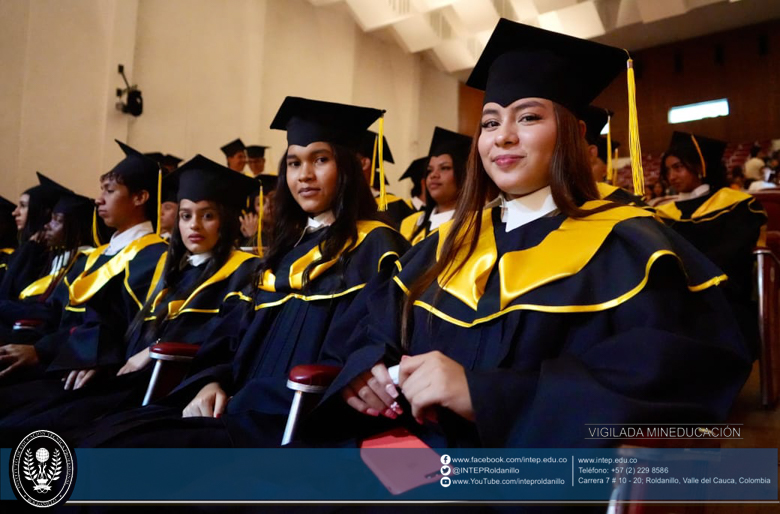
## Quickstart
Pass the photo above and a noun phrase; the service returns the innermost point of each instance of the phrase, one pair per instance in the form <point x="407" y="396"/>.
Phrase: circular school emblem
<point x="43" y="469"/>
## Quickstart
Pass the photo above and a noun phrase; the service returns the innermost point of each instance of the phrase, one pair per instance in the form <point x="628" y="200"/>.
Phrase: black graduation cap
<point x="709" y="152"/>
<point x="6" y="206"/>
<point x="366" y="148"/>
<point x="446" y="141"/>
<point x="201" y="179"/>
<point x="48" y="191"/>
<point x="72" y="203"/>
<point x="269" y="182"/>
<point x="595" y="118"/>
<point x="255" y="151"/>
<point x="137" y="168"/>
<point x="169" y="160"/>
<point x="308" y="121"/>
<point x="521" y="61"/>
<point x="601" y="146"/>
<point x="416" y="170"/>
<point x="233" y="147"/>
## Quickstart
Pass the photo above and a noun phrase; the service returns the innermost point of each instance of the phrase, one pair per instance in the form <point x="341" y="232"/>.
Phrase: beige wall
<point x="210" y="71"/>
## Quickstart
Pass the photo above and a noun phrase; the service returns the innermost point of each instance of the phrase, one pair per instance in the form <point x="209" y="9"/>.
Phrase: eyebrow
<point x="520" y="107"/>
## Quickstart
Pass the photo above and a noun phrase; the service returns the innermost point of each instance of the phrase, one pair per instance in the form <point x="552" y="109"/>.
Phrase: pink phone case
<point x="400" y="460"/>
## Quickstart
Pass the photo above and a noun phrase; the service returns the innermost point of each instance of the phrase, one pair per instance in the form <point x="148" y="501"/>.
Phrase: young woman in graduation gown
<point x="327" y="245"/>
<point x="68" y="235"/>
<point x="444" y="178"/>
<point x="517" y="324"/>
<point x="725" y="224"/>
<point x="205" y="280"/>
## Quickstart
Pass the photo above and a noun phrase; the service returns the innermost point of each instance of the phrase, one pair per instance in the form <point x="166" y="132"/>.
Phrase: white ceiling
<point x="452" y="33"/>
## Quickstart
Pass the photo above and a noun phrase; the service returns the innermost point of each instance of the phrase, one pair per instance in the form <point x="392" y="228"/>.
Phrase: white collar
<point x="119" y="241"/>
<point x="525" y="209"/>
<point x="197" y="259"/>
<point x="437" y="218"/>
<point x="418" y="204"/>
<point x="696" y="193"/>
<point x="316" y="223"/>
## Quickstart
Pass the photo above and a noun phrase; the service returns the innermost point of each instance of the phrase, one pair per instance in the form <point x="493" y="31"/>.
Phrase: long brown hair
<point x="571" y="183"/>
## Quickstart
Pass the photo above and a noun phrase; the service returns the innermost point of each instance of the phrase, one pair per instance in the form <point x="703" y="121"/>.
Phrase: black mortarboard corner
<point x="416" y="170"/>
<point x="137" y="168"/>
<point x="595" y="119"/>
<point x="169" y="160"/>
<point x="704" y="150"/>
<point x="48" y="191"/>
<point x="308" y="121"/>
<point x="79" y="209"/>
<point x="203" y="179"/>
<point x="255" y="151"/>
<point x="233" y="147"/>
<point x="446" y="141"/>
<point x="269" y="182"/>
<point x="6" y="206"/>
<point x="157" y="156"/>
<point x="521" y="61"/>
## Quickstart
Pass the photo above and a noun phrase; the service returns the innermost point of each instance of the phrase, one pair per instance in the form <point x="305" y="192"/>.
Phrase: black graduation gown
<point x="287" y="329"/>
<point x="619" y="195"/>
<point x="24" y="266"/>
<point x="397" y="210"/>
<point x="725" y="225"/>
<point x="623" y="325"/>
<point x="5" y="256"/>
<point x="212" y="301"/>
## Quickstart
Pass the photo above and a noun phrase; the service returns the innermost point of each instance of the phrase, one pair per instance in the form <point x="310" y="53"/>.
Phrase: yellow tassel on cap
<point x="610" y="171"/>
<point x="635" y="149"/>
<point x="380" y="144"/>
<point x="701" y="157"/>
<point x="95" y="235"/>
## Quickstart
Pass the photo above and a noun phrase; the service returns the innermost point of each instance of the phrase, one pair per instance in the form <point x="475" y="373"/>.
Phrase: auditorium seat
<point x="172" y="361"/>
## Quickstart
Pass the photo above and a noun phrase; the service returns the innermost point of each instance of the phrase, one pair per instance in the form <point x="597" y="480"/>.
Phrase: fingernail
<point x="372" y="412"/>
<point x="390" y="414"/>
<point x="391" y="390"/>
<point x="397" y="408"/>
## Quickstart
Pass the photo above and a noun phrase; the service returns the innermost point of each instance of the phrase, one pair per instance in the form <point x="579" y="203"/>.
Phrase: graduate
<point x="68" y="236"/>
<point x="204" y="279"/>
<point x="235" y="153"/>
<point x="368" y="154"/>
<point x="725" y="224"/>
<point x="32" y="213"/>
<point x="328" y="243"/>
<point x="8" y="233"/>
<point x="516" y="324"/>
<point x="255" y="158"/>
<point x="416" y="173"/>
<point x="444" y="178"/>
<point x="600" y="155"/>
<point x="169" y="206"/>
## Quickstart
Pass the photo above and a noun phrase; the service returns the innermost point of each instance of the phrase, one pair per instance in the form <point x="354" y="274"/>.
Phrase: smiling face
<point x="312" y="176"/>
<point x="20" y="213"/>
<point x="516" y="144"/>
<point x="237" y="161"/>
<point x="440" y="182"/>
<point x="199" y="225"/>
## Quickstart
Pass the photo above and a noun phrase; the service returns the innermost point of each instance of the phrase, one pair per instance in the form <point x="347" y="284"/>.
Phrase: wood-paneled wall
<point x="688" y="72"/>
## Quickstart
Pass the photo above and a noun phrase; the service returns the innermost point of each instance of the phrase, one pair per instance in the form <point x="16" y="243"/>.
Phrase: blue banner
<point x="292" y="474"/>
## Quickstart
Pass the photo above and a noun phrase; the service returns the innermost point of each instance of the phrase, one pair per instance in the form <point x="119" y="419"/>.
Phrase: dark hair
<point x="77" y="232"/>
<point x="229" y="233"/>
<point x="353" y="201"/>
<point x="8" y="232"/>
<point x="136" y="183"/>
<point x="459" y="173"/>
<point x="716" y="170"/>
<point x="571" y="182"/>
<point x="755" y="150"/>
<point x="39" y="209"/>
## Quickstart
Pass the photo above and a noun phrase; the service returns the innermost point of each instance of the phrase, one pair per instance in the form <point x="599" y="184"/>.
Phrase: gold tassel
<point x="259" y="238"/>
<point x="95" y="235"/>
<point x="701" y="157"/>
<point x="381" y="139"/>
<point x="610" y="171"/>
<point x="373" y="165"/>
<point x="159" y="199"/>
<point x="634" y="147"/>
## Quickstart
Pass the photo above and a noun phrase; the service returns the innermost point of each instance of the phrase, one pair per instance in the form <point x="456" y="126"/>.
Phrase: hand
<point x="14" y="356"/>
<point x="373" y="393"/>
<point x="138" y="361"/>
<point x="78" y="378"/>
<point x="434" y="379"/>
<point x="209" y="402"/>
<point x="248" y="224"/>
